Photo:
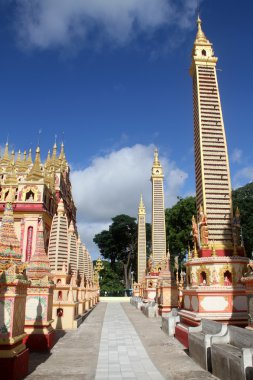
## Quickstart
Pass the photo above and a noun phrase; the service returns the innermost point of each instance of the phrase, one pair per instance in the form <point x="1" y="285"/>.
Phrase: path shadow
<point x="37" y="357"/>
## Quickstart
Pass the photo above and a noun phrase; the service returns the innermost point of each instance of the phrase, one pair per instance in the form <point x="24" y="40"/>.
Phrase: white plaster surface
<point x="214" y="303"/>
<point x="187" y="302"/>
<point x="121" y="353"/>
<point x="195" y="303"/>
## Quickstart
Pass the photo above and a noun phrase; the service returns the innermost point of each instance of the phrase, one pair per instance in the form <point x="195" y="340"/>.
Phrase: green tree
<point x="178" y="226"/>
<point x="119" y="245"/>
<point x="109" y="280"/>
<point x="243" y="198"/>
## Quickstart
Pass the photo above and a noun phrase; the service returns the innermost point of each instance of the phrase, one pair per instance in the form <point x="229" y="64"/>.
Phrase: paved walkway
<point x="121" y="353"/>
<point x="116" y="341"/>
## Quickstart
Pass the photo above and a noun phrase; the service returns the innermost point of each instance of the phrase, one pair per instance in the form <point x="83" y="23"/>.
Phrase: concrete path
<point x="116" y="341"/>
<point x="166" y="352"/>
<point x="121" y="353"/>
<point x="74" y="356"/>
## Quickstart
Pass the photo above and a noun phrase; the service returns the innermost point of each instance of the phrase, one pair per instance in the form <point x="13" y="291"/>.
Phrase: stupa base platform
<point x="40" y="339"/>
<point x="14" y="367"/>
<point x="192" y="319"/>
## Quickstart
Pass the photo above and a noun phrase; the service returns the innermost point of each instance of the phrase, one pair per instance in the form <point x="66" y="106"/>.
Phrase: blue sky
<point x="113" y="82"/>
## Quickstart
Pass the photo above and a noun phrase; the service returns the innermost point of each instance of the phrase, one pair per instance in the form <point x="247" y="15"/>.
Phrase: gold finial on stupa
<point x="156" y="159"/>
<point x="200" y="37"/>
<point x="48" y="159"/>
<point x="35" y="172"/>
<point x="6" y="156"/>
<point x="54" y="154"/>
<point x="141" y="202"/>
<point x="18" y="160"/>
<point x="62" y="153"/>
<point x="12" y="157"/>
<point x="157" y="167"/>
<point x="29" y="158"/>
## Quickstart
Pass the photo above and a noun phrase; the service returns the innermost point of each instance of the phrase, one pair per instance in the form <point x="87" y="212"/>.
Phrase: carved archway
<point x="229" y="269"/>
<point x="203" y="269"/>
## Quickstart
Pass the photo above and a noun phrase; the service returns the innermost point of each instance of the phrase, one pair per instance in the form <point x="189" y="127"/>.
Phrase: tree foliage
<point x="243" y="198"/>
<point x="110" y="280"/>
<point x="119" y="245"/>
<point x="178" y="226"/>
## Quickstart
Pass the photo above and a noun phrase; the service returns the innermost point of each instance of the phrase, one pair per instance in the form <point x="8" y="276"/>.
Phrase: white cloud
<point x="243" y="176"/>
<point x="112" y="185"/>
<point x="236" y="155"/>
<point x="59" y="23"/>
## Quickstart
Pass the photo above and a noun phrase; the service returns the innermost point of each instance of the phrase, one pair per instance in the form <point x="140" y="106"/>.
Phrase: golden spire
<point x="141" y="207"/>
<point x="48" y="159"/>
<point x="141" y="203"/>
<point x="62" y="153"/>
<point x="200" y="37"/>
<point x="29" y="159"/>
<point x="18" y="162"/>
<point x="54" y="154"/>
<point x="156" y="159"/>
<point x="13" y="157"/>
<point x="157" y="167"/>
<point x="54" y="160"/>
<point x="23" y="164"/>
<point x="6" y="156"/>
<point x="35" y="172"/>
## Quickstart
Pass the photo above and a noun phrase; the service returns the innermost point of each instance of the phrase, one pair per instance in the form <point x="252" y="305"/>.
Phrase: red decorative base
<point x="181" y="333"/>
<point x="40" y="342"/>
<point x="15" y="368"/>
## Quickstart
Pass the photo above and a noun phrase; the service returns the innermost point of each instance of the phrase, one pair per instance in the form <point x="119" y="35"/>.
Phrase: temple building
<point x="158" y="216"/>
<point x="37" y="188"/>
<point x="142" y="249"/>
<point x="215" y="266"/>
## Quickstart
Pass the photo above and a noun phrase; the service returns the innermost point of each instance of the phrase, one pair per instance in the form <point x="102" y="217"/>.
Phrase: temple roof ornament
<point x="9" y="243"/>
<point x="29" y="160"/>
<point x="157" y="167"/>
<point x="36" y="172"/>
<point x="6" y="157"/>
<point x="200" y="37"/>
<point x="48" y="160"/>
<point x="39" y="265"/>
